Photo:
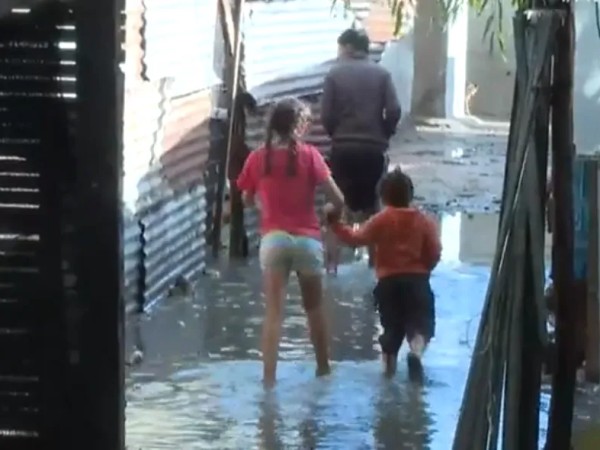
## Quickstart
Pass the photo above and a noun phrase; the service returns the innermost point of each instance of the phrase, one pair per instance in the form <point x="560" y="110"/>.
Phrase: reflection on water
<point x="198" y="386"/>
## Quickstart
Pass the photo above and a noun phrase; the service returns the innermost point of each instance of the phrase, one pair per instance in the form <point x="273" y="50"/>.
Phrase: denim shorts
<point x="287" y="253"/>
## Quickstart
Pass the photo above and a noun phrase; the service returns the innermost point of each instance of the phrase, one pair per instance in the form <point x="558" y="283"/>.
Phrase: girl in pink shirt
<point x="284" y="175"/>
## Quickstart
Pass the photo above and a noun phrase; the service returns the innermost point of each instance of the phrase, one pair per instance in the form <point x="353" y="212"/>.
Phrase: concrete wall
<point x="431" y="48"/>
<point x="587" y="81"/>
<point x="398" y="59"/>
<point x="456" y="64"/>
<point x="478" y="234"/>
<point x="493" y="73"/>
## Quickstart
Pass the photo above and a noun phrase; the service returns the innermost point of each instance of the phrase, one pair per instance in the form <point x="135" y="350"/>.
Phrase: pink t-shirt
<point x="287" y="202"/>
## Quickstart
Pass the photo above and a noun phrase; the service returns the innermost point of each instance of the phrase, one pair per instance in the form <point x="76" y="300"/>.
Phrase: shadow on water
<point x="198" y="383"/>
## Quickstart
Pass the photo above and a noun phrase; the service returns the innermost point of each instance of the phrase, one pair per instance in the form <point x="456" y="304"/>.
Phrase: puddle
<point x="198" y="386"/>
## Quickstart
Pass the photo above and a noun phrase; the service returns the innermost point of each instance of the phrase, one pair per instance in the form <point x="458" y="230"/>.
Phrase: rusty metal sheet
<point x="179" y="43"/>
<point x="186" y="140"/>
<point x="171" y="71"/>
<point x="166" y="145"/>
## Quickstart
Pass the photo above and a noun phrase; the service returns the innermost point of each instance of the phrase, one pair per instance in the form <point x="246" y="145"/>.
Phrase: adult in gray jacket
<point x="360" y="112"/>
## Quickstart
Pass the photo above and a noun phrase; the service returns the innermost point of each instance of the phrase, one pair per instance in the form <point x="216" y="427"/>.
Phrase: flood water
<point x="199" y="385"/>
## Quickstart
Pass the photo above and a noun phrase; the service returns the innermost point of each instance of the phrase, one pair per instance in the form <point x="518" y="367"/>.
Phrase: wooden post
<point x="592" y="353"/>
<point x="231" y="18"/>
<point x="563" y="383"/>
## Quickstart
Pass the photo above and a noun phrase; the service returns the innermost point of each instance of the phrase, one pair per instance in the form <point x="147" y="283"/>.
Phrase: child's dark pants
<point x="406" y="308"/>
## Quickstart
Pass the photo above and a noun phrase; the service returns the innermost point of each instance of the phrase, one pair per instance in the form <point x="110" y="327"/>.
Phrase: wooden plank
<point x="592" y="351"/>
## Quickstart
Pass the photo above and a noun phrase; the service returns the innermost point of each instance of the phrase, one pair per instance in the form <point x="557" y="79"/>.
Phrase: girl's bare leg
<point x="312" y="299"/>
<point x="274" y="284"/>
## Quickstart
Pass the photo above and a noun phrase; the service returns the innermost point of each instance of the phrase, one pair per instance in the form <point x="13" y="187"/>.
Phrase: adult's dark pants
<point x="357" y="169"/>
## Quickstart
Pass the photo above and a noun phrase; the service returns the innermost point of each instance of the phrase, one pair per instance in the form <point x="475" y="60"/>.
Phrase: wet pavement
<point x="455" y="164"/>
<point x="198" y="386"/>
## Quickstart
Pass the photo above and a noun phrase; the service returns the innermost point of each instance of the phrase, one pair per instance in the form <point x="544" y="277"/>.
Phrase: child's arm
<point x="365" y="235"/>
<point x="432" y="246"/>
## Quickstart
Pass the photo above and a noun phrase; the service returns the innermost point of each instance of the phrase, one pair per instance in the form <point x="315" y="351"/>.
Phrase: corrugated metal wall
<point x="289" y="48"/>
<point x="171" y="79"/>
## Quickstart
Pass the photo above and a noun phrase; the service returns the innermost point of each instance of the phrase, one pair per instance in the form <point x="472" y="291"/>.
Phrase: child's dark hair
<point x="285" y="118"/>
<point x="397" y="189"/>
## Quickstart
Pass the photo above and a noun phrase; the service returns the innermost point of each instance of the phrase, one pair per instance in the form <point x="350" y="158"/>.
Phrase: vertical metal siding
<point x="175" y="222"/>
<point x="175" y="245"/>
<point x="143" y="109"/>
<point x="167" y="139"/>
<point x="290" y="45"/>
<point x="179" y="38"/>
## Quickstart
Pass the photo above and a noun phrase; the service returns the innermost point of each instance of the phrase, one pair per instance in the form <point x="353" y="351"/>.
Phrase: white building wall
<point x="494" y="74"/>
<point x="587" y="80"/>
<point x="398" y="59"/>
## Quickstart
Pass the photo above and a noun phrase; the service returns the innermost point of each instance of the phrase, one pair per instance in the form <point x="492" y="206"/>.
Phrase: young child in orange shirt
<point x="407" y="249"/>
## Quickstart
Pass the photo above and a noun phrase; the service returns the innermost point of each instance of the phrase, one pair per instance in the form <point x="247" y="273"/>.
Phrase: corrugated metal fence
<point x="171" y="82"/>
<point x="174" y="54"/>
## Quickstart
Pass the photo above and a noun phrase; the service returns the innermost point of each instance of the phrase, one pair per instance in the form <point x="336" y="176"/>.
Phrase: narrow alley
<point x="198" y="386"/>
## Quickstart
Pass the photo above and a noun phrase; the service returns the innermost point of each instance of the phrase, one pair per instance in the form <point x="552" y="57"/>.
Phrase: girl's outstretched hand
<point x="332" y="214"/>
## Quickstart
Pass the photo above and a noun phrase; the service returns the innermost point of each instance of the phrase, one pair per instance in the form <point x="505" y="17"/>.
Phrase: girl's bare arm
<point x="333" y="193"/>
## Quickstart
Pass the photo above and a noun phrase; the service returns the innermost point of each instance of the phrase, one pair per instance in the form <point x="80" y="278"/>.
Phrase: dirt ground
<point x="455" y="165"/>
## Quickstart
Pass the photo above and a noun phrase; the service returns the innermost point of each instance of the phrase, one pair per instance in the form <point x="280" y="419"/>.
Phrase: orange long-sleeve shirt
<point x="405" y="240"/>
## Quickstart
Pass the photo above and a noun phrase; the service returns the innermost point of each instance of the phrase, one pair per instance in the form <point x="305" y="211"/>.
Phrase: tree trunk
<point x="429" y="59"/>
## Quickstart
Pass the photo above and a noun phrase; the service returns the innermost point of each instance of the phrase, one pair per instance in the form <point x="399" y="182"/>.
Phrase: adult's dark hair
<point x="285" y="118"/>
<point x="355" y="39"/>
<point x="397" y="189"/>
